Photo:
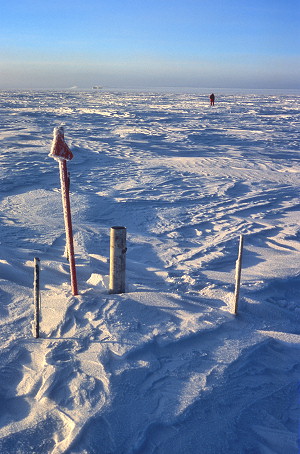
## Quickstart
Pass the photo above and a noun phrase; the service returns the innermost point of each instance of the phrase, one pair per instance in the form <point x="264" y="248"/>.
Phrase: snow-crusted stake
<point x="238" y="272"/>
<point x="117" y="266"/>
<point x="36" y="298"/>
<point x="61" y="152"/>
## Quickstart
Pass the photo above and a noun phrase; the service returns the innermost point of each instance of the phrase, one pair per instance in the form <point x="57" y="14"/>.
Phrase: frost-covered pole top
<point x="60" y="150"/>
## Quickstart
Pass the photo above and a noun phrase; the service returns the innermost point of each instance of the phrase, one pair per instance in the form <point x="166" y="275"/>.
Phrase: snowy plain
<point x="165" y="367"/>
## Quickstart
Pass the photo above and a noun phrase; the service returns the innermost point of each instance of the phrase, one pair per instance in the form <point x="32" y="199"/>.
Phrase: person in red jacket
<point x="212" y="99"/>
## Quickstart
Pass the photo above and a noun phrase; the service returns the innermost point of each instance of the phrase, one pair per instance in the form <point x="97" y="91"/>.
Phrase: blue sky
<point x="140" y="43"/>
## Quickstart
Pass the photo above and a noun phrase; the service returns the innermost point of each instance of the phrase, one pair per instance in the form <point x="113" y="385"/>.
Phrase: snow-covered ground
<point x="165" y="367"/>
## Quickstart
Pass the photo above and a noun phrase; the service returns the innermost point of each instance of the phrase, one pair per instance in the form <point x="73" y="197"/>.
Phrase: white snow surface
<point x="165" y="367"/>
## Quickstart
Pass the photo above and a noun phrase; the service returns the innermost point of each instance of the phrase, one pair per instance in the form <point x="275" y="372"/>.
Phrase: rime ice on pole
<point x="60" y="149"/>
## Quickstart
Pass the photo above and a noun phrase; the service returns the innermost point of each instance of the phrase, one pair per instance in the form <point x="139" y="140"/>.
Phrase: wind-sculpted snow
<point x="165" y="367"/>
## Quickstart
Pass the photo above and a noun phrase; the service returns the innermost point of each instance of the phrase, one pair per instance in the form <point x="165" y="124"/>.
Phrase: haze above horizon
<point x="208" y="43"/>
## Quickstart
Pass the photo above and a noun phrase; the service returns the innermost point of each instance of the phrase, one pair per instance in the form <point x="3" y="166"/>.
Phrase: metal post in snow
<point x="117" y="259"/>
<point x="36" y="298"/>
<point x="61" y="152"/>
<point x="238" y="272"/>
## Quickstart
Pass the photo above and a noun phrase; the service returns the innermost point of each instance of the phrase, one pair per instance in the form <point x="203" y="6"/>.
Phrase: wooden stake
<point x="117" y="260"/>
<point x="238" y="272"/>
<point x="68" y="222"/>
<point x="36" y="298"/>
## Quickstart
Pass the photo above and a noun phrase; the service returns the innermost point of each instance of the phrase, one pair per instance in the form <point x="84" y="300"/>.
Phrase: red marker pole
<point x="68" y="222"/>
<point x="61" y="152"/>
